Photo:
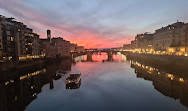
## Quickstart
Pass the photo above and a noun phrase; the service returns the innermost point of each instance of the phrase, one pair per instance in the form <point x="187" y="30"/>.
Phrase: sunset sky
<point x="95" y="23"/>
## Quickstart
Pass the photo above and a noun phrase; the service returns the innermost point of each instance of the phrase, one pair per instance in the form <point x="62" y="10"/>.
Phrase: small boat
<point x="73" y="77"/>
<point x="73" y="86"/>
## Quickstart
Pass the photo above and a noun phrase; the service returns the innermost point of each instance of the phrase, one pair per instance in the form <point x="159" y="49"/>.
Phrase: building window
<point x="11" y="38"/>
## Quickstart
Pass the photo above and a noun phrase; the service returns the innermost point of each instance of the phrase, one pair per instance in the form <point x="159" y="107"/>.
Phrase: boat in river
<point x="74" y="77"/>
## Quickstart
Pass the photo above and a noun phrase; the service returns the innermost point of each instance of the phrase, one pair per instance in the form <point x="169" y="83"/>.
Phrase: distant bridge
<point x="90" y="52"/>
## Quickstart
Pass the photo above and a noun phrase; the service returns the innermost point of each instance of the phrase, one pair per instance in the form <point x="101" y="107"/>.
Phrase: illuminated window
<point x="32" y="35"/>
<point x="11" y="38"/>
<point x="26" y="34"/>
<point x="182" y="49"/>
<point x="29" y="43"/>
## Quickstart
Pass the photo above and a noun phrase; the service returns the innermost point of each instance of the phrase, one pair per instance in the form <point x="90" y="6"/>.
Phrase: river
<point x="115" y="85"/>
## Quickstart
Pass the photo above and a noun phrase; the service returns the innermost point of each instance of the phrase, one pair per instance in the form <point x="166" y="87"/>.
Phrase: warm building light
<point x="171" y="76"/>
<point x="11" y="81"/>
<point x="16" y="98"/>
<point x="182" y="49"/>
<point x="147" y="67"/>
<point x="181" y="79"/>
<point x="31" y="35"/>
<point x="171" y="50"/>
<point x="149" y="72"/>
<point x="32" y="74"/>
<point x="29" y="43"/>
<point x="11" y="38"/>
<point x="151" y="69"/>
<point x="26" y="34"/>
<point x="6" y="83"/>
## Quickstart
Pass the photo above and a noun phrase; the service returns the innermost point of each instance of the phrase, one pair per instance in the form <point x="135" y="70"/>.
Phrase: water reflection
<point x="171" y="85"/>
<point x="108" y="81"/>
<point x="18" y="93"/>
<point x="17" y="90"/>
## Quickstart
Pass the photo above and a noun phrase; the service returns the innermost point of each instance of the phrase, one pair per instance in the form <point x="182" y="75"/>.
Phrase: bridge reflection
<point x="99" y="56"/>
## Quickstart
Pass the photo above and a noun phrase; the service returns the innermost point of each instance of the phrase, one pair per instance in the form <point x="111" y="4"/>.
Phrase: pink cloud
<point x="34" y="19"/>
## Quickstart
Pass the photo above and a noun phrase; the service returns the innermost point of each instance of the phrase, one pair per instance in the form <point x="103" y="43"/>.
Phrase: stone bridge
<point x="90" y="53"/>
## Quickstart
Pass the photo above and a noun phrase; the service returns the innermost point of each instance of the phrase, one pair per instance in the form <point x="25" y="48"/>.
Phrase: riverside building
<point x="17" y="41"/>
<point x="169" y="40"/>
<point x="55" y="47"/>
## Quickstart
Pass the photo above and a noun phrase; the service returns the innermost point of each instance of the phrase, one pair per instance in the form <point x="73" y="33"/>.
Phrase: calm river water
<point x="115" y="85"/>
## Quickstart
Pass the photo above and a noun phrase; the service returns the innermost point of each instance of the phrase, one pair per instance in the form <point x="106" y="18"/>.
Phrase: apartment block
<point x="172" y="38"/>
<point x="62" y="46"/>
<point x="17" y="41"/>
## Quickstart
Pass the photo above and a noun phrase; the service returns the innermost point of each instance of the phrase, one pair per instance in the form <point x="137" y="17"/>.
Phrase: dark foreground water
<point x="116" y="85"/>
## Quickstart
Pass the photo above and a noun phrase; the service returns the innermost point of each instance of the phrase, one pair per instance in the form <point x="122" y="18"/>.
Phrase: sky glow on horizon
<point x="95" y="23"/>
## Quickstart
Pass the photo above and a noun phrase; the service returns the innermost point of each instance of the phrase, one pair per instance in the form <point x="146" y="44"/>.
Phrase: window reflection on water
<point x="169" y="84"/>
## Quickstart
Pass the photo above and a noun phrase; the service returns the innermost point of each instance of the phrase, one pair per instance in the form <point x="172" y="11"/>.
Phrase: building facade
<point x="62" y="46"/>
<point x="133" y="44"/>
<point x="144" y="42"/>
<point x="17" y="41"/>
<point x="80" y="48"/>
<point x="171" y="39"/>
<point x="73" y="47"/>
<point x="76" y="48"/>
<point x="1" y="44"/>
<point x="48" y="49"/>
<point x="55" y="47"/>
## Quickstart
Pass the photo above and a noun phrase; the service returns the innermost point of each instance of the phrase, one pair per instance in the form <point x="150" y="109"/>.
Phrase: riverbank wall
<point x="164" y="62"/>
<point x="29" y="64"/>
<point x="13" y="65"/>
